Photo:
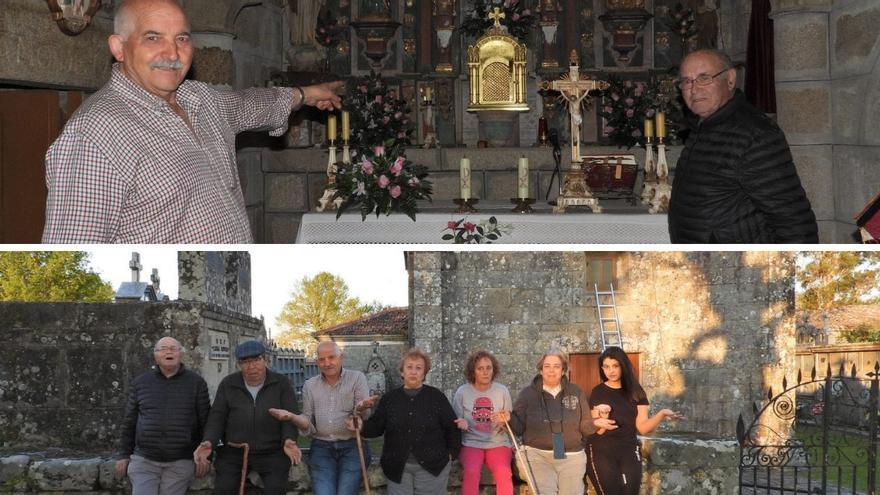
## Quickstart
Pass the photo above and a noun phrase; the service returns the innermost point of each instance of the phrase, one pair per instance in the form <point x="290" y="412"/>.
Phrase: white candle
<point x="523" y="178"/>
<point x="346" y="128"/>
<point x="331" y="128"/>
<point x="465" y="178"/>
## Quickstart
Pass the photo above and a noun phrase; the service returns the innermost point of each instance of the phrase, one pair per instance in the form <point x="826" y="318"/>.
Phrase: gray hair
<point x="721" y="57"/>
<point x="176" y="342"/>
<point x="123" y="24"/>
<point x="336" y="349"/>
<point x="555" y="351"/>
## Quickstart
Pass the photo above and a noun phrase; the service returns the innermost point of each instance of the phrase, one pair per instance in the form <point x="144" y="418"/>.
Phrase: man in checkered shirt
<point x="150" y="158"/>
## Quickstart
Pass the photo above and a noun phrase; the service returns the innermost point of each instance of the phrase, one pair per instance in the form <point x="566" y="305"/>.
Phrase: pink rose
<point x="367" y="166"/>
<point x="401" y="134"/>
<point x="395" y="191"/>
<point x="450" y="225"/>
<point x="629" y="102"/>
<point x="615" y="96"/>
<point x="649" y="113"/>
<point x="398" y="165"/>
<point x="384" y="181"/>
<point x="379" y="150"/>
<point x="630" y="112"/>
<point x="470" y="227"/>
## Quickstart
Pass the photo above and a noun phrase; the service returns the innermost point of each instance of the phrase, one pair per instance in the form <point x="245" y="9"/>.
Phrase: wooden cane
<point x="522" y="460"/>
<point x="357" y="436"/>
<point x="244" y="462"/>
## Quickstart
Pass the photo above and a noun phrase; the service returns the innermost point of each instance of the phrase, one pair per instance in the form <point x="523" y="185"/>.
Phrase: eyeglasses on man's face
<point x="701" y="80"/>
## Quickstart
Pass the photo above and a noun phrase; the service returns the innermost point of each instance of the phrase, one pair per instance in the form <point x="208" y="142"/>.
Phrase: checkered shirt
<point x="127" y="169"/>
<point x="326" y="406"/>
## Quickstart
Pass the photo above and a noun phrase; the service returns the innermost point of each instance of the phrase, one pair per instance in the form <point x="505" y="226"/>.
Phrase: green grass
<point x="849" y="445"/>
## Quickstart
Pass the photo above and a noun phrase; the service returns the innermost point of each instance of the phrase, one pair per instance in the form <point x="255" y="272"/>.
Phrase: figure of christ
<point x="574" y="90"/>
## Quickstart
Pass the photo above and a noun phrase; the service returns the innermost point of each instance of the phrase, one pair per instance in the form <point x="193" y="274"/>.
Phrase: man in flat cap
<point x="240" y="415"/>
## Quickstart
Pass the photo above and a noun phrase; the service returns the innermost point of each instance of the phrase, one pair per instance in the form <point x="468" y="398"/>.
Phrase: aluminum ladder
<point x="609" y="323"/>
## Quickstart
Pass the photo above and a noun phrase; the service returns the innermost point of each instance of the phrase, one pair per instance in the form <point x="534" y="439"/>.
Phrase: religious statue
<point x="374" y="9"/>
<point x="303" y="21"/>
<point x="574" y="89"/>
<point x="548" y="10"/>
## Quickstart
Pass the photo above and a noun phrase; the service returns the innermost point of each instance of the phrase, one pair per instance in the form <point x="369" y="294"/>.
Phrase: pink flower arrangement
<point x="380" y="179"/>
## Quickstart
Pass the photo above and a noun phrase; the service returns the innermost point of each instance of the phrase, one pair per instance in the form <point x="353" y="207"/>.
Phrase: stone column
<point x="855" y="91"/>
<point x="803" y="97"/>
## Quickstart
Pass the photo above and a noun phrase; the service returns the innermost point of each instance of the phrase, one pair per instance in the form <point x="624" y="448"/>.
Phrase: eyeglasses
<point x="166" y="348"/>
<point x="701" y="80"/>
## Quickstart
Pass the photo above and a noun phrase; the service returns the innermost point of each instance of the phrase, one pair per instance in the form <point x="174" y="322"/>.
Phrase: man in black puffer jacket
<point x="164" y="419"/>
<point x="735" y="181"/>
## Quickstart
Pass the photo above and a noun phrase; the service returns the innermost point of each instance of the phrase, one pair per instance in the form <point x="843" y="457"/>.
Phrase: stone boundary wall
<point x="672" y="465"/>
<point x="65" y="367"/>
<point x="713" y="329"/>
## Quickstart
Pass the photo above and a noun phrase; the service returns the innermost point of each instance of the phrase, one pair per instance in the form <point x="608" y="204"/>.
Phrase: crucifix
<point x="574" y="88"/>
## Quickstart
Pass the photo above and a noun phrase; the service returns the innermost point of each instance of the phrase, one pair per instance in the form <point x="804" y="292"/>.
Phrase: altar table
<point x="541" y="227"/>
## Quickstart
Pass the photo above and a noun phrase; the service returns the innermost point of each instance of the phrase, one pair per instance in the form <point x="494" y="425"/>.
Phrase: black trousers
<point x="273" y="469"/>
<point x="615" y="469"/>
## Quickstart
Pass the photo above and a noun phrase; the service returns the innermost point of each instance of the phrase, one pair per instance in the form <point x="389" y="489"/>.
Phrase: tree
<point x="832" y="279"/>
<point x="317" y="303"/>
<point x="50" y="276"/>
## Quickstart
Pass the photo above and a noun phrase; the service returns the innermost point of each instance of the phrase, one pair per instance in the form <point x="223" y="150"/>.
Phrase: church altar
<point x="620" y="224"/>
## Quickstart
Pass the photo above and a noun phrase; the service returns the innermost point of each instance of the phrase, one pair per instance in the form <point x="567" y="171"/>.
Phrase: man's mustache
<point x="167" y="64"/>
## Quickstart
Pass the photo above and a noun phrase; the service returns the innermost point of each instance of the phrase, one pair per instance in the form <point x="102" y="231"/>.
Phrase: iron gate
<point x="815" y="437"/>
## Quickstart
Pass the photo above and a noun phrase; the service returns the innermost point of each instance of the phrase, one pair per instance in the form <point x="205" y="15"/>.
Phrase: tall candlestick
<point x="649" y="128"/>
<point x="523" y="178"/>
<point x="465" y="178"/>
<point x="331" y="128"/>
<point x="661" y="125"/>
<point x="346" y="127"/>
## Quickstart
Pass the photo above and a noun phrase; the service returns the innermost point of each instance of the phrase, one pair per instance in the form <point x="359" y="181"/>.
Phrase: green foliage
<point x="833" y="279"/>
<point x="319" y="302"/>
<point x="627" y="103"/>
<point x="50" y="276"/>
<point x="863" y="332"/>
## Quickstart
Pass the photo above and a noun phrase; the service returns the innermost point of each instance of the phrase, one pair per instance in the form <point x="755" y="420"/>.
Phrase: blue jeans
<point x="335" y="466"/>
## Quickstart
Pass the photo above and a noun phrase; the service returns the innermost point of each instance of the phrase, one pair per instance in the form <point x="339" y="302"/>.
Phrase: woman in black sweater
<point x="615" y="462"/>
<point x="421" y="437"/>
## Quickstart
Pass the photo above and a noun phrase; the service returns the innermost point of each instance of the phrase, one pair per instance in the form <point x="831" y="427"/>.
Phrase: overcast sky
<point x="373" y="273"/>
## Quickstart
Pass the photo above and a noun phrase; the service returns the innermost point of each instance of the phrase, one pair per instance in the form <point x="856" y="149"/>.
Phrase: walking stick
<point x="522" y="459"/>
<point x="357" y="433"/>
<point x="244" y="462"/>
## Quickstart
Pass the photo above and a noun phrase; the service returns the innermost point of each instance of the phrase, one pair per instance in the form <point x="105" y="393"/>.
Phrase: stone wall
<point x="672" y="465"/>
<point x="712" y="329"/>
<point x="65" y="367"/>
<point x="222" y="278"/>
<point x="827" y="78"/>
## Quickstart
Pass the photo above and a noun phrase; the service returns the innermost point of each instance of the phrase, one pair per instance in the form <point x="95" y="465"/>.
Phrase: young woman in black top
<point x="614" y="461"/>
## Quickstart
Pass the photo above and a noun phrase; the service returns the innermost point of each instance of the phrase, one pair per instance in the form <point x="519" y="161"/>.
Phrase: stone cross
<point x="135" y="265"/>
<point x="574" y="89"/>
<point x="496" y="15"/>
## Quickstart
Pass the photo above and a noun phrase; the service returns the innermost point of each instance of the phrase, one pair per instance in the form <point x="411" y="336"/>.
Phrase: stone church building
<point x="826" y="83"/>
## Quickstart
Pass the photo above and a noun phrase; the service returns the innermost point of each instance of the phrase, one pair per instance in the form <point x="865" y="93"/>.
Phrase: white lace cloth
<point x="535" y="228"/>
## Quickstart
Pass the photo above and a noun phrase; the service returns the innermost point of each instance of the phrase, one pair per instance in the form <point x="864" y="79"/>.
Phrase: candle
<point x="331" y="128"/>
<point x="465" y="178"/>
<point x="649" y="128"/>
<point x="346" y="127"/>
<point x="522" y="178"/>
<point x="428" y="94"/>
<point x="661" y="125"/>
